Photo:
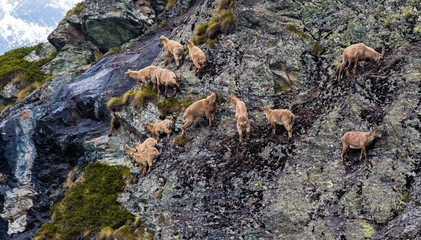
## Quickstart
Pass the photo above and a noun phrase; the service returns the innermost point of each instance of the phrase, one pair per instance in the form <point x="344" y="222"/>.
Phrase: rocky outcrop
<point x="111" y="23"/>
<point x="42" y="136"/>
<point x="213" y="188"/>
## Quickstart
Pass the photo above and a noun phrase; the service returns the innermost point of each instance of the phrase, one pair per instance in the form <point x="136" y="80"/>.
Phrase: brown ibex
<point x="142" y="74"/>
<point x="156" y="129"/>
<point x="359" y="140"/>
<point x="169" y="79"/>
<point x="241" y="116"/>
<point x="172" y="47"/>
<point x="146" y="158"/>
<point x="279" y="116"/>
<point x="148" y="143"/>
<point x="202" y="107"/>
<point x="197" y="57"/>
<point x="359" y="52"/>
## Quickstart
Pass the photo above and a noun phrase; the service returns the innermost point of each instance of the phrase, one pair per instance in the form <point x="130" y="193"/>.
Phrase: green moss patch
<point x="89" y="206"/>
<point x="173" y="105"/>
<point x="297" y="32"/>
<point x="26" y="76"/>
<point x="180" y="141"/>
<point x="223" y="22"/>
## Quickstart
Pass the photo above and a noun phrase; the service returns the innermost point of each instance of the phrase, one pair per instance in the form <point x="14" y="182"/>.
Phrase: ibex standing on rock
<point x="280" y="117"/>
<point x="197" y="57"/>
<point x="146" y="158"/>
<point x="359" y="140"/>
<point x="241" y="116"/>
<point x="169" y="79"/>
<point x="202" y="107"/>
<point x="158" y="128"/>
<point x="148" y="143"/>
<point x="142" y="74"/>
<point x="172" y="47"/>
<point x="359" y="52"/>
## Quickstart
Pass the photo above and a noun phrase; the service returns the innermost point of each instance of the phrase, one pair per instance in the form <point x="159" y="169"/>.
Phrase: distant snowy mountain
<point x="28" y="22"/>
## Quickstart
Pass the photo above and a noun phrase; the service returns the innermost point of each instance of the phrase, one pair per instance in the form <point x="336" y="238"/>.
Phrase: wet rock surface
<point x="42" y="136"/>
<point x="286" y="54"/>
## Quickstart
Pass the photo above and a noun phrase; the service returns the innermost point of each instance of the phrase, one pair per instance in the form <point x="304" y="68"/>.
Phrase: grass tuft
<point x="115" y="104"/>
<point x="180" y="140"/>
<point x="223" y="22"/>
<point x="170" y="4"/>
<point x="76" y="10"/>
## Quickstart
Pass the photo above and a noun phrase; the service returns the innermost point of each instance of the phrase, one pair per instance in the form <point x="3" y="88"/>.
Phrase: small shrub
<point x="126" y="97"/>
<point x="2" y="107"/>
<point x="170" y="4"/>
<point x="212" y="43"/>
<point x="408" y="15"/>
<point x="98" y="56"/>
<point x="213" y="30"/>
<point x="76" y="10"/>
<point x="225" y="4"/>
<point x="199" y="40"/>
<point x="297" y="32"/>
<point x="141" y="96"/>
<point x="173" y="105"/>
<point x="26" y="91"/>
<point x="124" y="233"/>
<point x="115" y="104"/>
<point x="223" y="22"/>
<point x="317" y="49"/>
<point x="114" y="123"/>
<point x="180" y="141"/>
<point x="115" y="50"/>
<point x="201" y="29"/>
<point x="105" y="234"/>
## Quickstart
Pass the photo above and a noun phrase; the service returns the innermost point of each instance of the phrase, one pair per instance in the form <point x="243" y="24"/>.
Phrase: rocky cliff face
<point x="285" y="53"/>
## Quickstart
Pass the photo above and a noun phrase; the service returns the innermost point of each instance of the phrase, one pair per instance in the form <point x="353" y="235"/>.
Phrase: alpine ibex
<point x="146" y="158"/>
<point x="148" y="143"/>
<point x="359" y="140"/>
<point x="197" y="57"/>
<point x="280" y="117"/>
<point x="359" y="52"/>
<point x="241" y="116"/>
<point x="141" y="75"/>
<point x="202" y="107"/>
<point x="169" y="79"/>
<point x="158" y="128"/>
<point x="172" y="47"/>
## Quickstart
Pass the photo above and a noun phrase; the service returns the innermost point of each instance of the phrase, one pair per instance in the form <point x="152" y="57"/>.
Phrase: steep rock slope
<point x="270" y="188"/>
<point x="267" y="188"/>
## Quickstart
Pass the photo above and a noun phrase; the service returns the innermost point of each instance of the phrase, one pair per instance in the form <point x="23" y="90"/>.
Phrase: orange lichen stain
<point x="25" y="114"/>
<point x="284" y="67"/>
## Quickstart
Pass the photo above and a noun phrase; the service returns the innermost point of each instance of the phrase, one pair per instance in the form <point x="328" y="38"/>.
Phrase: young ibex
<point x="197" y="57"/>
<point x="359" y="140"/>
<point x="141" y="75"/>
<point x="148" y="143"/>
<point x="241" y="116"/>
<point x="169" y="79"/>
<point x="172" y="47"/>
<point x="156" y="129"/>
<point x="280" y="117"/>
<point x="359" y="52"/>
<point x="146" y="158"/>
<point x="202" y="107"/>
